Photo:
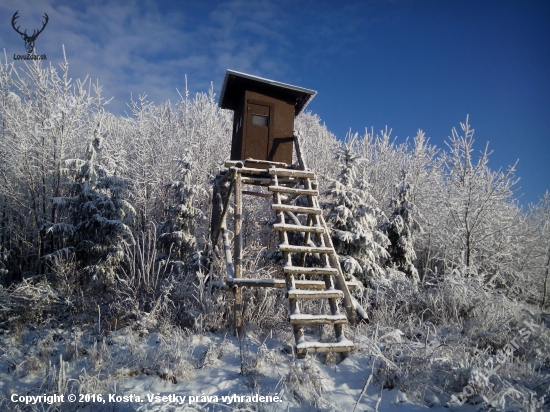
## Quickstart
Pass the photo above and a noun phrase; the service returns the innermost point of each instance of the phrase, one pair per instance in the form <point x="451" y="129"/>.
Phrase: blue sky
<point x="406" y="64"/>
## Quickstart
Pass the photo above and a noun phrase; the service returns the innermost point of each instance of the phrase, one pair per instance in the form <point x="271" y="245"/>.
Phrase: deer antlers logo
<point x="29" y="40"/>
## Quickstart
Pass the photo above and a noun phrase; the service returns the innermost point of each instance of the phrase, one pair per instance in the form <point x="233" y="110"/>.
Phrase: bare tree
<point x="479" y="212"/>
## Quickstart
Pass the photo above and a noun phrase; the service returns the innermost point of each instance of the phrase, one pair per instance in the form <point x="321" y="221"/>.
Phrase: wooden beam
<point x="300" y="270"/>
<point x="292" y="173"/>
<point x="215" y="214"/>
<point x="304" y="319"/>
<point x="223" y="176"/>
<point x="257" y="194"/>
<point x="324" y="347"/>
<point x="227" y="251"/>
<point x="296" y="209"/>
<point x="253" y="171"/>
<point x="265" y="181"/>
<point x="224" y="210"/>
<point x="281" y="283"/>
<point x="315" y="294"/>
<point x="298" y="228"/>
<point x="298" y="146"/>
<point x="229" y="163"/>
<point x="304" y="249"/>
<point x="238" y="254"/>
<point x="291" y="190"/>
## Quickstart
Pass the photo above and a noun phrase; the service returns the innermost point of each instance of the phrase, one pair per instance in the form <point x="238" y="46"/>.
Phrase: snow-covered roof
<point x="236" y="82"/>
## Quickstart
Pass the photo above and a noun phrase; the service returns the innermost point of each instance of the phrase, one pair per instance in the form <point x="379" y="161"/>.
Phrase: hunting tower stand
<point x="261" y="155"/>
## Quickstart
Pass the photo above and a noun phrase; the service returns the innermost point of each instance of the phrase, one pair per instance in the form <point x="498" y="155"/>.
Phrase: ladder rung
<point x="304" y="249"/>
<point x="315" y="294"/>
<point x="257" y="194"/>
<point x="296" y="209"/>
<point x="300" y="270"/>
<point x="292" y="173"/>
<point x="229" y="163"/>
<point x="253" y="171"/>
<point x="258" y="283"/>
<point x="298" y="228"/>
<point x="344" y="345"/>
<point x="293" y="191"/>
<point x="281" y="283"/>
<point x="264" y="181"/>
<point x="303" y="319"/>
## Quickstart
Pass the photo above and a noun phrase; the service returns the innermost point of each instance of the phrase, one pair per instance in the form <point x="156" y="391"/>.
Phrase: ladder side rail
<point x="340" y="281"/>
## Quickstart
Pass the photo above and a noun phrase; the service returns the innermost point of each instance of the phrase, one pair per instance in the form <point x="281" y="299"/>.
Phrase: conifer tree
<point x="177" y="238"/>
<point x="400" y="230"/>
<point x="354" y="221"/>
<point x="99" y="216"/>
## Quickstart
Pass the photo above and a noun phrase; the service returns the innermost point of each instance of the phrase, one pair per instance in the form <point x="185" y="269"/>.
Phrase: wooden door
<point x="257" y="132"/>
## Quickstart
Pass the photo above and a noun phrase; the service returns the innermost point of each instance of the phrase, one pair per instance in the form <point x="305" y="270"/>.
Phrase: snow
<point x="207" y="369"/>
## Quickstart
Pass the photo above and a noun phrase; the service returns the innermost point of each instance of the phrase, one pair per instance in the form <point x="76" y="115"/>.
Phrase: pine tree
<point x="99" y="216"/>
<point x="177" y="237"/>
<point x="400" y="230"/>
<point x="354" y="222"/>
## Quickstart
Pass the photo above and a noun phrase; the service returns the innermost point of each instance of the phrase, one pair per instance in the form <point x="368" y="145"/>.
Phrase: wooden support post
<point x="238" y="253"/>
<point x="215" y="214"/>
<point x="297" y="146"/>
<point x="227" y="251"/>
<point x="224" y="209"/>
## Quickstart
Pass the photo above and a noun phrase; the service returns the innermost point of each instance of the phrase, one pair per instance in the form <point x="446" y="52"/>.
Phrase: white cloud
<point x="134" y="47"/>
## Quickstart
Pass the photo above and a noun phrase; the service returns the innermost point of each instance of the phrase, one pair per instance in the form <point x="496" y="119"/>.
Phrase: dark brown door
<point x="257" y="132"/>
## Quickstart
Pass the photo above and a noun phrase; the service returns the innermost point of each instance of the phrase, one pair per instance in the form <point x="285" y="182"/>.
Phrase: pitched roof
<point x="235" y="83"/>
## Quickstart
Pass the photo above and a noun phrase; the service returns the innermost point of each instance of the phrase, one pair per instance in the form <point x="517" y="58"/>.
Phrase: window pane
<point x="259" y="120"/>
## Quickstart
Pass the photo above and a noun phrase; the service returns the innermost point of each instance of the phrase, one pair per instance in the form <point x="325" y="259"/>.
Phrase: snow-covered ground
<point x="496" y="359"/>
<point x="174" y="371"/>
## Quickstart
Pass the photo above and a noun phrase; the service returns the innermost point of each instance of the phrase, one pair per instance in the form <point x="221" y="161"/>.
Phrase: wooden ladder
<point x="285" y="183"/>
<point x="329" y="270"/>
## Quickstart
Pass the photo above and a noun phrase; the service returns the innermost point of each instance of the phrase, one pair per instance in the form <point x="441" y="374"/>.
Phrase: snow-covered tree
<point x="354" y="221"/>
<point x="480" y="219"/>
<point x="400" y="230"/>
<point x="177" y="237"/>
<point x="99" y="216"/>
<point x="537" y="253"/>
<point x="43" y="113"/>
<point x="318" y="146"/>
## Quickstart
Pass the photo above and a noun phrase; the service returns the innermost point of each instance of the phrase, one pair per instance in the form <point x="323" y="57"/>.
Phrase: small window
<point x="260" y="120"/>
